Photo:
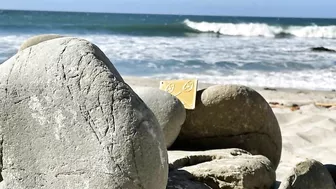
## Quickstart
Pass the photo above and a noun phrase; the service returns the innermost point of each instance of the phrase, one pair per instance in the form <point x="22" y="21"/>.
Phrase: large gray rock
<point x="231" y="116"/>
<point x="168" y="110"/>
<point x="67" y="120"/>
<point x="228" y="168"/>
<point x="309" y="174"/>
<point x="38" y="39"/>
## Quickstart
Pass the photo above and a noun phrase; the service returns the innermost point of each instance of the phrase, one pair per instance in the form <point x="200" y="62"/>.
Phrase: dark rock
<point x="322" y="49"/>
<point x="309" y="174"/>
<point x="270" y="89"/>
<point x="332" y="170"/>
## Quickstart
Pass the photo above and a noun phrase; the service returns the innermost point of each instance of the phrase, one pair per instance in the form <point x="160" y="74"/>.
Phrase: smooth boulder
<point x="309" y="174"/>
<point x="68" y="120"/>
<point x="231" y="116"/>
<point x="168" y="110"/>
<point x="222" y="169"/>
<point x="38" y="39"/>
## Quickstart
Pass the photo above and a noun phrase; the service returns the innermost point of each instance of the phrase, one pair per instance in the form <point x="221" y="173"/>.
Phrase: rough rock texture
<point x="168" y="110"/>
<point x="67" y="120"/>
<point x="217" y="169"/>
<point x="231" y="116"/>
<point x="38" y="39"/>
<point x="309" y="174"/>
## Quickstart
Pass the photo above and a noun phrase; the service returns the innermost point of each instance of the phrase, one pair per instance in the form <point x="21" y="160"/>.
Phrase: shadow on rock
<point x="332" y="170"/>
<point x="183" y="179"/>
<point x="276" y="184"/>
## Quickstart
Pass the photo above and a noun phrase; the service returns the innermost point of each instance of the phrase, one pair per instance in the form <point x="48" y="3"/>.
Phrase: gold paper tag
<point x="184" y="90"/>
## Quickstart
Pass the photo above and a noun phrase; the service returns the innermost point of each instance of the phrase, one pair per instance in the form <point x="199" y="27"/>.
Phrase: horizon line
<point x="165" y="14"/>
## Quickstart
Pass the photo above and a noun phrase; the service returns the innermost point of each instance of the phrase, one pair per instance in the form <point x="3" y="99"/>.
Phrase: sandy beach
<point x="308" y="128"/>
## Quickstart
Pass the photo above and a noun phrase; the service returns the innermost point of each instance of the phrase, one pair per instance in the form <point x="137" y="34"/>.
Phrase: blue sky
<point x="288" y="8"/>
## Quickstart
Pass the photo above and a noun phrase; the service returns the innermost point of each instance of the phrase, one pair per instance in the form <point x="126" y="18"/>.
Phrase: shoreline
<point x="152" y="82"/>
<point x="285" y="96"/>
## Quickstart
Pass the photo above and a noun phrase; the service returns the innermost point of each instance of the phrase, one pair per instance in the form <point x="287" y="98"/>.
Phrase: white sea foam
<point x="314" y="79"/>
<point x="264" y="30"/>
<point x="241" y="60"/>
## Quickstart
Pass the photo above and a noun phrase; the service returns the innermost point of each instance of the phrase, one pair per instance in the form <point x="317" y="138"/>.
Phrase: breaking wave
<point x="263" y="30"/>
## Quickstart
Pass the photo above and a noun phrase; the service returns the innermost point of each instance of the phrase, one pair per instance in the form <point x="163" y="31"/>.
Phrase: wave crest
<point x="263" y="30"/>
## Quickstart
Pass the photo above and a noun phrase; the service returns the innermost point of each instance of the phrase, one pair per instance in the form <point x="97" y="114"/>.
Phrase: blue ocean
<point x="253" y="51"/>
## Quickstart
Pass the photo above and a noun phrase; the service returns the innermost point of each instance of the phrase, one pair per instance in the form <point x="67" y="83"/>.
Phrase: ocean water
<point x="253" y="51"/>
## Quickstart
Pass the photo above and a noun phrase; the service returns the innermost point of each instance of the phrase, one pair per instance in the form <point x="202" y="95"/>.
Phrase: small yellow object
<point x="328" y="105"/>
<point x="184" y="90"/>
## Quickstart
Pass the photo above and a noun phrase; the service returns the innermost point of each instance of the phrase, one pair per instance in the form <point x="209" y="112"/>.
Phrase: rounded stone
<point x="168" y="110"/>
<point x="38" y="39"/>
<point x="309" y="174"/>
<point x="231" y="116"/>
<point x="68" y="120"/>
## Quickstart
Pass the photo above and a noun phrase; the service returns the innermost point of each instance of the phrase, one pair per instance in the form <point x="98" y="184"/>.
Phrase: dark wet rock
<point x="322" y="49"/>
<point x="332" y="170"/>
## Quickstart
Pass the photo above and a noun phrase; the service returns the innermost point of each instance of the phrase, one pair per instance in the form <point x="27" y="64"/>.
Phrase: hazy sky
<point x="288" y="8"/>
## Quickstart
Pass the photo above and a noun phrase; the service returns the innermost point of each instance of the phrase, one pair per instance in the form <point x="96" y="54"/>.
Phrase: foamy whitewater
<point x="264" y="30"/>
<point x="265" y="52"/>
